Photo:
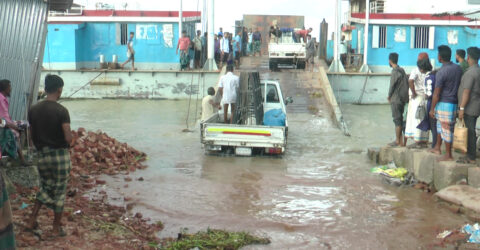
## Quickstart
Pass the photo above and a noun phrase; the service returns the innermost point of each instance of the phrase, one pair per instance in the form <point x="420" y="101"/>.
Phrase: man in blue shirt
<point x="130" y="52"/>
<point x="237" y="48"/>
<point x="445" y="100"/>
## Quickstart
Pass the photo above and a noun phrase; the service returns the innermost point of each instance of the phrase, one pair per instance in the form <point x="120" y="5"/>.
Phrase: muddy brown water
<point x="319" y="195"/>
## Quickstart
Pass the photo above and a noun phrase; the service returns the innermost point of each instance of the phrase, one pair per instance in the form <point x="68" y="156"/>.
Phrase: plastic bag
<point x="421" y="111"/>
<point x="460" y="136"/>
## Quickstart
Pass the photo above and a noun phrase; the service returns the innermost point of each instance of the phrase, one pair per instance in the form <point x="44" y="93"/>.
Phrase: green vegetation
<point x="215" y="239"/>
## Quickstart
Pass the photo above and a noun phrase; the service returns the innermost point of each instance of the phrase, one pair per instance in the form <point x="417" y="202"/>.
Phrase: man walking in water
<point x="130" y="52"/>
<point x="397" y="97"/>
<point x="51" y="135"/>
<point x="229" y="83"/>
<point x="444" y="103"/>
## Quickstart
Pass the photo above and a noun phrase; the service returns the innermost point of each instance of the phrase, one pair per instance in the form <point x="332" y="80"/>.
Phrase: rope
<point x="198" y="90"/>
<point x="84" y="85"/>
<point x="189" y="101"/>
<point x="190" y="95"/>
<point x="363" y="90"/>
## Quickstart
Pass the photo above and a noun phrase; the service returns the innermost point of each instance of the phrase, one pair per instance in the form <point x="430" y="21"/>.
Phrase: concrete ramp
<point x="310" y="90"/>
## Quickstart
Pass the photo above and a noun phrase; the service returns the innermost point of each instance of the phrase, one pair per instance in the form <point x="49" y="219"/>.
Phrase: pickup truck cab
<point x="245" y="140"/>
<point x="287" y="52"/>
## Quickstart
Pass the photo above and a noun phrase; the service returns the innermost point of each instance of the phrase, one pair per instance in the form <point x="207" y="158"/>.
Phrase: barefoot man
<point x="51" y="135"/>
<point x="227" y="87"/>
<point x="444" y="103"/>
<point x="397" y="97"/>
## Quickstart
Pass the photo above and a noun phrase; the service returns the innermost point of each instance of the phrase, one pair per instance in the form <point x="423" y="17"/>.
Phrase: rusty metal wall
<point x="263" y="23"/>
<point x="22" y="39"/>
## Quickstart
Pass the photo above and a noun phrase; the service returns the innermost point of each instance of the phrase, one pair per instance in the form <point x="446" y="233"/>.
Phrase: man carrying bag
<point x="469" y="108"/>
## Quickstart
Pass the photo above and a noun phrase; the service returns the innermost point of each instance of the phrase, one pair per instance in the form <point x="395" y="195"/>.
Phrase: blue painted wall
<point x="467" y="37"/>
<point x="61" y="43"/>
<point x="70" y="43"/>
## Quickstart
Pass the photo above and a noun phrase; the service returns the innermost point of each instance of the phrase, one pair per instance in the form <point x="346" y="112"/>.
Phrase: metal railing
<point x="377" y="6"/>
<point x="74" y="11"/>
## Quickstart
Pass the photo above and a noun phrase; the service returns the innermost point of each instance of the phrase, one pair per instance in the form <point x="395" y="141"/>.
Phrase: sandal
<point x="28" y="229"/>
<point x="416" y="146"/>
<point x="393" y="144"/>
<point x="61" y="233"/>
<point x="465" y="160"/>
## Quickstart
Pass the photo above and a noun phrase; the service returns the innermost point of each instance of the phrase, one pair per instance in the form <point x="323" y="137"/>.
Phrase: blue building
<point x="409" y="35"/>
<point x="79" y="41"/>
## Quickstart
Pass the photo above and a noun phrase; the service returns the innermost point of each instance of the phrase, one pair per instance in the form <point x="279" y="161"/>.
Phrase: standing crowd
<point x="435" y="100"/>
<point x="228" y="47"/>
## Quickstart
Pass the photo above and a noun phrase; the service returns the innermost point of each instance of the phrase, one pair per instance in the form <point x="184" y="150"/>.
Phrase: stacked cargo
<point x="249" y="110"/>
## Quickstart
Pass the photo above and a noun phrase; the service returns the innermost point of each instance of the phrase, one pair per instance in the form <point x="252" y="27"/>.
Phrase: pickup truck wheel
<point x="272" y="65"/>
<point x="301" y="65"/>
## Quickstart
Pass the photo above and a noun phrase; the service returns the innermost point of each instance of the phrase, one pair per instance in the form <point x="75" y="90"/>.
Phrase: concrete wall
<point x="76" y="46"/>
<point x="415" y="6"/>
<point x="427" y="6"/>
<point x="348" y="87"/>
<point x="378" y="57"/>
<point x="138" y="84"/>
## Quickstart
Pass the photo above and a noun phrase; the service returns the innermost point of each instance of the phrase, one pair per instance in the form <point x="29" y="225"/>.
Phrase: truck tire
<point x="301" y="64"/>
<point x="272" y="65"/>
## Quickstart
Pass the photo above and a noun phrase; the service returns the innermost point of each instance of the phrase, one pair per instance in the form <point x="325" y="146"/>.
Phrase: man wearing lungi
<point x="444" y="104"/>
<point x="51" y="135"/>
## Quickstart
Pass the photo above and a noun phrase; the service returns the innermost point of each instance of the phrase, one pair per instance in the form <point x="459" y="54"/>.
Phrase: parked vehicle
<point x="287" y="52"/>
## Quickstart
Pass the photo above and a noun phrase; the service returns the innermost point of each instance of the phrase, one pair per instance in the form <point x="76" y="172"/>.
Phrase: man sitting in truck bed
<point x="228" y="85"/>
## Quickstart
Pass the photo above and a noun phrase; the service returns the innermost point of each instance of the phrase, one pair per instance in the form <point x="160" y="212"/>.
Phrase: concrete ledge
<point x="425" y="166"/>
<point x="449" y="173"/>
<point x="332" y="100"/>
<point x="462" y="195"/>
<point x="474" y="177"/>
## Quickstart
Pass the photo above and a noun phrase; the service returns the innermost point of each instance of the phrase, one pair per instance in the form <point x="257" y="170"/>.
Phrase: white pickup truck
<point x="248" y="139"/>
<point x="287" y="52"/>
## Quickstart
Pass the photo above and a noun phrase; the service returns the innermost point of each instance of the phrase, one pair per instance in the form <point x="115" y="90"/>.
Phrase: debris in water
<point x="473" y="231"/>
<point x="444" y="234"/>
<point x="214" y="239"/>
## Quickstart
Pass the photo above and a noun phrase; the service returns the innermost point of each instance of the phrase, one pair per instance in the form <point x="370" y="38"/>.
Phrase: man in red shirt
<point x="302" y="34"/>
<point x="183" y="45"/>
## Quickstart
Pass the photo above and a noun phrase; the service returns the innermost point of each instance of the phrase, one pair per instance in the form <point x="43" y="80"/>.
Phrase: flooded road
<point x="319" y="195"/>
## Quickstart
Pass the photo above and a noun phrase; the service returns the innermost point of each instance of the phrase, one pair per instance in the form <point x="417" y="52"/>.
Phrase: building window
<point x="422" y="36"/>
<point x="379" y="37"/>
<point x="382" y="37"/>
<point x="123" y="34"/>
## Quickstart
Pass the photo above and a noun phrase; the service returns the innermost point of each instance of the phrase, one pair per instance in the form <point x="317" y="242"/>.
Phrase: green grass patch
<point x="215" y="239"/>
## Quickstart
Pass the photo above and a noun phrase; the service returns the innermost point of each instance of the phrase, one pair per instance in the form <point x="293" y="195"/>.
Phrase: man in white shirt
<point x="224" y="49"/>
<point x="209" y="104"/>
<point x="228" y="85"/>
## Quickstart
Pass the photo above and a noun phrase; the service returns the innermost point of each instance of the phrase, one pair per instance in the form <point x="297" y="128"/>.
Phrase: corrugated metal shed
<point x="22" y="36"/>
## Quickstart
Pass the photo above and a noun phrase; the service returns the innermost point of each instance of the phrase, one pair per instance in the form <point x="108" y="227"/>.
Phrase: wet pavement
<point x="319" y="195"/>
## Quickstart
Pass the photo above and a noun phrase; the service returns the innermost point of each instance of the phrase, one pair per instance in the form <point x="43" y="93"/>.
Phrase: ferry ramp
<point x="310" y="89"/>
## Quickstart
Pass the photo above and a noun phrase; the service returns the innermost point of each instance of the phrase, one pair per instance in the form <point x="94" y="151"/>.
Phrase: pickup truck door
<point x="272" y="96"/>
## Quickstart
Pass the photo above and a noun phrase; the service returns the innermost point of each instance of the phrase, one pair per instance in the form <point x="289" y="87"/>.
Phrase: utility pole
<point x="210" y="64"/>
<point x="365" y="67"/>
<point x="180" y="20"/>
<point x="337" y="65"/>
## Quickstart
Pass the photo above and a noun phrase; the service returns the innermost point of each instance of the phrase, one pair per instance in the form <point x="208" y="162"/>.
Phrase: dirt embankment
<point x="90" y="222"/>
